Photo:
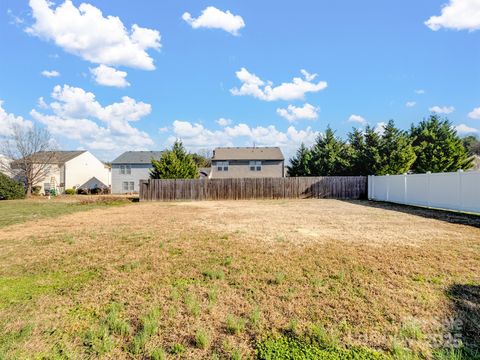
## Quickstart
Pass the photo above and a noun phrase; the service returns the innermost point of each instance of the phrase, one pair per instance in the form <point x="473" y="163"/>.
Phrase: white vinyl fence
<point x="459" y="191"/>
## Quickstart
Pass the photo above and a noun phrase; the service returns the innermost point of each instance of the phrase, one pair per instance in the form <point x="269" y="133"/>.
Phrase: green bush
<point x="70" y="191"/>
<point x="10" y="189"/>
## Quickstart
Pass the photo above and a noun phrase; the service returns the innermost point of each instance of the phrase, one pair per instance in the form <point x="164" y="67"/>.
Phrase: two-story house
<point x="63" y="170"/>
<point x="247" y="162"/>
<point x="131" y="167"/>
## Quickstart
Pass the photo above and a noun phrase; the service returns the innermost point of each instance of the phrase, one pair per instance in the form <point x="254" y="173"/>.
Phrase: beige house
<point x="247" y="162"/>
<point x="71" y="170"/>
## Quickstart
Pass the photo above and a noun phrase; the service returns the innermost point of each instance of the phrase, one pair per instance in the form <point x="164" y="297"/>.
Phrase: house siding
<point x="138" y="172"/>
<point x="82" y="168"/>
<point x="241" y="169"/>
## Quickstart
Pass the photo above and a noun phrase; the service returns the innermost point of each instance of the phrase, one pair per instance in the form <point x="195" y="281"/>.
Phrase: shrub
<point x="70" y="191"/>
<point x="82" y="192"/>
<point x="10" y="189"/>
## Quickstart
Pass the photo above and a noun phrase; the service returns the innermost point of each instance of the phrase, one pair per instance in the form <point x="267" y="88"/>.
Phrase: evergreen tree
<point x="396" y="151"/>
<point x="329" y="155"/>
<point x="174" y="164"/>
<point x="301" y="162"/>
<point x="364" y="152"/>
<point x="438" y="147"/>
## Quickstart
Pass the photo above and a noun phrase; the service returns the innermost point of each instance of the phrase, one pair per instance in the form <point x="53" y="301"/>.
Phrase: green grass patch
<point x="21" y="289"/>
<point x="292" y="348"/>
<point x="148" y="328"/>
<point x="19" y="211"/>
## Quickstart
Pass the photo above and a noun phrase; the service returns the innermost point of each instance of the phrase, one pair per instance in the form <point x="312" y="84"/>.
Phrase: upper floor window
<point x="222" y="165"/>
<point x="125" y="169"/>
<point x="255" y="165"/>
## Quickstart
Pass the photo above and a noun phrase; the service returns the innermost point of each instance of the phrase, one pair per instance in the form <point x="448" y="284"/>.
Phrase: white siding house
<point x="73" y="170"/>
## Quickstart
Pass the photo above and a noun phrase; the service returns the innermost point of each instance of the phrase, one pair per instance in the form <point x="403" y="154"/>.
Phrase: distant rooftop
<point x="247" y="153"/>
<point x="55" y="157"/>
<point x="137" y="157"/>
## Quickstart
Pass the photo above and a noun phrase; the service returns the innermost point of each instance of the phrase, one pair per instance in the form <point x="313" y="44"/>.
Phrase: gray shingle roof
<point x="248" y="153"/>
<point x="55" y="157"/>
<point x="137" y="157"/>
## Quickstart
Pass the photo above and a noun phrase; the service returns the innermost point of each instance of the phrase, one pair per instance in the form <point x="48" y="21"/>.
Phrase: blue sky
<point x="110" y="86"/>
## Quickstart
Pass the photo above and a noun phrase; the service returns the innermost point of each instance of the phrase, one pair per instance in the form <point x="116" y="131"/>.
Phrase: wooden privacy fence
<point x="334" y="187"/>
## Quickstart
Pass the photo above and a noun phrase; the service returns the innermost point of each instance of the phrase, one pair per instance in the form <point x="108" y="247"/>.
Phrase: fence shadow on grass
<point x="466" y="307"/>
<point x="447" y="216"/>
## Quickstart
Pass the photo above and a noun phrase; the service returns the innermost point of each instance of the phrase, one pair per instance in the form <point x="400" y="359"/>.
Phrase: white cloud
<point x="85" y="32"/>
<point x="380" y="128"/>
<point x="224" y="122"/>
<point x="458" y="15"/>
<point x="213" y="18"/>
<point x="50" y="73"/>
<point x="77" y="115"/>
<point x="474" y="114"/>
<point x="420" y="91"/>
<point x="463" y="129"/>
<point x="293" y="113"/>
<point x="196" y="136"/>
<point x="8" y="121"/>
<point x="109" y="76"/>
<point x="41" y="103"/>
<point x="357" y="119"/>
<point x="410" y="104"/>
<point x="254" y="86"/>
<point x="163" y="129"/>
<point x="442" y="109"/>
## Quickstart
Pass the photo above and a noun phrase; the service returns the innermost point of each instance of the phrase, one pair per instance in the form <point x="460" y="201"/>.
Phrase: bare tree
<point x="30" y="152"/>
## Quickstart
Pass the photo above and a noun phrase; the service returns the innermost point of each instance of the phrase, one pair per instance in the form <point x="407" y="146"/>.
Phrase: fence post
<point x="372" y="195"/>
<point x="428" y="188"/>
<point x="388" y="187"/>
<point x="405" y="188"/>
<point x="460" y="184"/>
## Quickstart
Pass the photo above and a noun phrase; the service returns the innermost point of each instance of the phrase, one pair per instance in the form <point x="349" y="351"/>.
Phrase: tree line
<point x="432" y="145"/>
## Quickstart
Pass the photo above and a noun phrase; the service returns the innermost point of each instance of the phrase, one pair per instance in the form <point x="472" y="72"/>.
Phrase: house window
<point x="132" y="186"/>
<point x="125" y="169"/>
<point x="255" y="165"/>
<point x="125" y="186"/>
<point x="222" y="165"/>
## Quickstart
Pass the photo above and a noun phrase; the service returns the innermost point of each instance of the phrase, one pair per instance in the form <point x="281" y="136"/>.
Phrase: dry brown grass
<point x="365" y="272"/>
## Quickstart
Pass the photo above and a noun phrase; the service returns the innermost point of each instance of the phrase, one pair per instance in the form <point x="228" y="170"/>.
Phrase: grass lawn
<point x="17" y="211"/>
<point x="299" y="279"/>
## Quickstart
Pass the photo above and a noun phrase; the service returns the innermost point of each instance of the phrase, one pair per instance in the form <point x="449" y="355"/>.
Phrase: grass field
<point x="315" y="279"/>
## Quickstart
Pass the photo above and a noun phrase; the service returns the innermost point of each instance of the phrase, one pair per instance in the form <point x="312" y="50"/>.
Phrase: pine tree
<point x="174" y="164"/>
<point x="329" y="155"/>
<point x="438" y="147"/>
<point x="364" y="152"/>
<point x="301" y="162"/>
<point x="396" y="151"/>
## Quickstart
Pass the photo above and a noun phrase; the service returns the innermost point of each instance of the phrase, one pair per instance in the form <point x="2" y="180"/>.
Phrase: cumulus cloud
<point x="50" y="73"/>
<point x="252" y="85"/>
<point x="442" y="109"/>
<point x="410" y="103"/>
<point x="458" y="15"/>
<point x="223" y="122"/>
<point x="85" y="32"/>
<point x="474" y="114"/>
<point x="213" y="18"/>
<point x="77" y="115"/>
<point x="293" y="113"/>
<point x="463" y="129"/>
<point x="380" y="128"/>
<point x="109" y="76"/>
<point x="196" y="136"/>
<point x="9" y="120"/>
<point x="357" y="119"/>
